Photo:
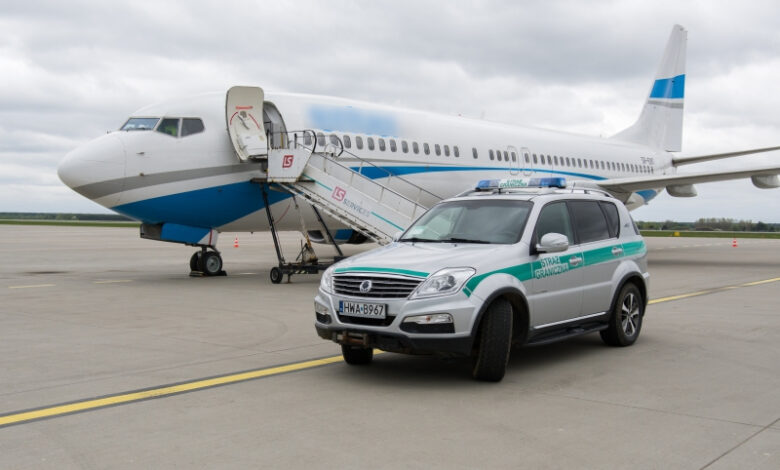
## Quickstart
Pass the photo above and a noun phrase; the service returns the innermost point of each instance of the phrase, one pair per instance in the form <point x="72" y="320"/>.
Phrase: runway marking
<point x="32" y="286"/>
<point x="26" y="416"/>
<point x="112" y="281"/>
<point x="712" y="291"/>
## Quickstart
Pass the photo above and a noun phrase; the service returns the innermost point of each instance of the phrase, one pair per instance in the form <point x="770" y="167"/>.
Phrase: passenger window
<point x="527" y="158"/>
<point x="359" y="142"/>
<point x="437" y="148"/>
<point x="347" y="142"/>
<point x="535" y="161"/>
<point x="490" y="154"/>
<point x="613" y="219"/>
<point x="554" y="218"/>
<point x="370" y="141"/>
<point x="474" y="152"/>
<point x="404" y="146"/>
<point x="191" y="126"/>
<point x="456" y="151"/>
<point x="555" y="159"/>
<point x="415" y="147"/>
<point x="393" y="147"/>
<point x="334" y="140"/>
<point x="426" y="148"/>
<point x="320" y="139"/>
<point x="506" y="156"/>
<point x="514" y="157"/>
<point x="307" y="140"/>
<point x="568" y="163"/>
<point x="169" y="126"/>
<point x="589" y="221"/>
<point x="381" y="144"/>
<point x="446" y="150"/>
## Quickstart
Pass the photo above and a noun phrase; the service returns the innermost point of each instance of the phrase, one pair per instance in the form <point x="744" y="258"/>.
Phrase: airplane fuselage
<point x="197" y="180"/>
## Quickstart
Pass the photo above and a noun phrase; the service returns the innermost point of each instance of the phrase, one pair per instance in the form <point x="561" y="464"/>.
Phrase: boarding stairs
<point x="340" y="187"/>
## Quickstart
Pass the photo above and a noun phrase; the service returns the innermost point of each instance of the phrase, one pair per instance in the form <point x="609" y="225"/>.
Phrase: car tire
<point x="495" y="342"/>
<point x="357" y="356"/>
<point x="625" y="322"/>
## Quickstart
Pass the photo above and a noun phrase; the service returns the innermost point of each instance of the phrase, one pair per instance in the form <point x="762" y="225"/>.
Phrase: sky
<point x="73" y="70"/>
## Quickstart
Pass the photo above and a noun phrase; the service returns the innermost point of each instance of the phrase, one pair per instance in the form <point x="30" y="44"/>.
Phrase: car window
<point x="554" y="218"/>
<point x="589" y="221"/>
<point x="613" y="219"/>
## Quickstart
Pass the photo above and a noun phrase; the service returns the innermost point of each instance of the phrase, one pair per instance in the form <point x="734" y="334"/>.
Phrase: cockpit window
<point x="139" y="124"/>
<point x="191" y="126"/>
<point x="169" y="126"/>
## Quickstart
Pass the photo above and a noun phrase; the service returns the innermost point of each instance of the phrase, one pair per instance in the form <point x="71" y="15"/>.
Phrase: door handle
<point x="575" y="260"/>
<point x="616" y="250"/>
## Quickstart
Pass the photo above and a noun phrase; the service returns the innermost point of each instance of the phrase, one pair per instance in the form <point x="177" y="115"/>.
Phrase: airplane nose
<point x="95" y="169"/>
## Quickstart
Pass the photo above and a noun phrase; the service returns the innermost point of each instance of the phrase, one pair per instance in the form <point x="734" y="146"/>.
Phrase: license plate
<point x="363" y="310"/>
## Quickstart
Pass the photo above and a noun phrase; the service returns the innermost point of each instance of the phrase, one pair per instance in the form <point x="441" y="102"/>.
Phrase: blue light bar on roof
<point x="514" y="183"/>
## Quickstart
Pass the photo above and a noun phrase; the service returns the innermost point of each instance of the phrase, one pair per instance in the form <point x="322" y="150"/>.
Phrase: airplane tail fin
<point x="660" y="123"/>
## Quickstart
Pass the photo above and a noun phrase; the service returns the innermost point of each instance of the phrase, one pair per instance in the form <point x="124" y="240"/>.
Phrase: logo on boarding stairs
<point x="287" y="161"/>
<point x="338" y="194"/>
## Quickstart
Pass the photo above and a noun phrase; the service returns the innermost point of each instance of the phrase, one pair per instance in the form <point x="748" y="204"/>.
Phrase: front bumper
<point x="390" y="335"/>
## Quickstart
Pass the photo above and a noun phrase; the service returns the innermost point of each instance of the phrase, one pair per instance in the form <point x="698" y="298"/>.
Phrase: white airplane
<point x="185" y="170"/>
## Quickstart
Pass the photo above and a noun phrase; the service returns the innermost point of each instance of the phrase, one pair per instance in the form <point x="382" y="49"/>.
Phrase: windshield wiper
<point x="461" y="240"/>
<point x="416" y="239"/>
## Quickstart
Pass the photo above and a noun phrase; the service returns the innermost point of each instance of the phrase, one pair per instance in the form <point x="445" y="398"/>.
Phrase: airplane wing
<point x="763" y="177"/>
<point x="687" y="160"/>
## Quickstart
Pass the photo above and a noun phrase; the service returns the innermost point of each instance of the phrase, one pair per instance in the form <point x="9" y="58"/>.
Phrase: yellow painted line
<point x="32" y="286"/>
<point x="115" y="281"/>
<point x="160" y="392"/>
<point x="756" y="283"/>
<point x="711" y="291"/>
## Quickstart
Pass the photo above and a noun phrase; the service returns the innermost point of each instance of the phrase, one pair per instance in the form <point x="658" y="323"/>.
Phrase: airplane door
<point x="525" y="163"/>
<point x="244" y="116"/>
<point x="514" y="160"/>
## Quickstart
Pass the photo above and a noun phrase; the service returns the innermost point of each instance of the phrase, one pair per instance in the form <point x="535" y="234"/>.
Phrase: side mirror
<point x="397" y="236"/>
<point x="552" y="243"/>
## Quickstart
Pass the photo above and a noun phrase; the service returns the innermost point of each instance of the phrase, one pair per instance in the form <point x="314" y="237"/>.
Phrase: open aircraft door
<point x="244" y="116"/>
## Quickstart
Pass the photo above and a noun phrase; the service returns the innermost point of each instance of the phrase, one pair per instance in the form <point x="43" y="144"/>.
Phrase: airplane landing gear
<point x="206" y="263"/>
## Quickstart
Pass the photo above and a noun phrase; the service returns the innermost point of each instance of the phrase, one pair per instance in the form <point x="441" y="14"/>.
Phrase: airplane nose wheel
<point x="209" y="263"/>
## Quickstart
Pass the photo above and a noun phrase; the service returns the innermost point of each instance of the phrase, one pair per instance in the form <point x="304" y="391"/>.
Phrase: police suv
<point x="514" y="261"/>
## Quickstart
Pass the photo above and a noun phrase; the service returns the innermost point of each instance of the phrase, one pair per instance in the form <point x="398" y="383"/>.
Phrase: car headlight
<point x="326" y="282"/>
<point x="443" y="282"/>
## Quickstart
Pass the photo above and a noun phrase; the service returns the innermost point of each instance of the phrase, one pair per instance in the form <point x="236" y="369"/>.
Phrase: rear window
<point x="589" y="221"/>
<point x="613" y="219"/>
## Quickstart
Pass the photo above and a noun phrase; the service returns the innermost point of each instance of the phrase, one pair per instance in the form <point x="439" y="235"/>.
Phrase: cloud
<point x="73" y="70"/>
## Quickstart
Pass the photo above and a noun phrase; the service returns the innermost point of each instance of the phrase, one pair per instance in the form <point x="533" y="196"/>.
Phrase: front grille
<point x="382" y="286"/>
<point x="366" y="321"/>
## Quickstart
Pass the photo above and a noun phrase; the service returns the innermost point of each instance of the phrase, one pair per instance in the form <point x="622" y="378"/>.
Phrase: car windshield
<point x="140" y="124"/>
<point x="499" y="221"/>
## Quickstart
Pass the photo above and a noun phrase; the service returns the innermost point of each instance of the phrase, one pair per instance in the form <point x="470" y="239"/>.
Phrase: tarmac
<point x="112" y="356"/>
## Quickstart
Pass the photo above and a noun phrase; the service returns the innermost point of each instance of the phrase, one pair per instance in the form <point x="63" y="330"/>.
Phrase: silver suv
<point x="512" y="262"/>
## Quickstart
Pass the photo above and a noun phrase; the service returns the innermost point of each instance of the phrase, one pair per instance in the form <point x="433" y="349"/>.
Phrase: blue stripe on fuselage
<point x="208" y="207"/>
<point x="219" y="205"/>
<point x="671" y="88"/>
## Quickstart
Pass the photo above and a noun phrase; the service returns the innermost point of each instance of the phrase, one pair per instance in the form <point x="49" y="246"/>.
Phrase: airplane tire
<point x="211" y="263"/>
<point x="276" y="275"/>
<point x="194" y="261"/>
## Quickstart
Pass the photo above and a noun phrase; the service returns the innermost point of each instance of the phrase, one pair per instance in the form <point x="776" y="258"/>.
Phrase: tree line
<point x="711" y="224"/>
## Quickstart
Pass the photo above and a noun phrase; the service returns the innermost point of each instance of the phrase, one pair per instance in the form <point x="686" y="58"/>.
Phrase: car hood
<point x="422" y="259"/>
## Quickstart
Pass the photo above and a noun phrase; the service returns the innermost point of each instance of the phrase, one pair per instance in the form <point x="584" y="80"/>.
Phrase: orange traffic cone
<point x="235" y="242"/>
<point x="734" y="243"/>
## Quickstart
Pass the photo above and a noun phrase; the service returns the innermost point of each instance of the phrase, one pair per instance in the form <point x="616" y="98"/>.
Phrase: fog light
<point x="434" y="323"/>
<point x="435" y="319"/>
<point x="322" y="313"/>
